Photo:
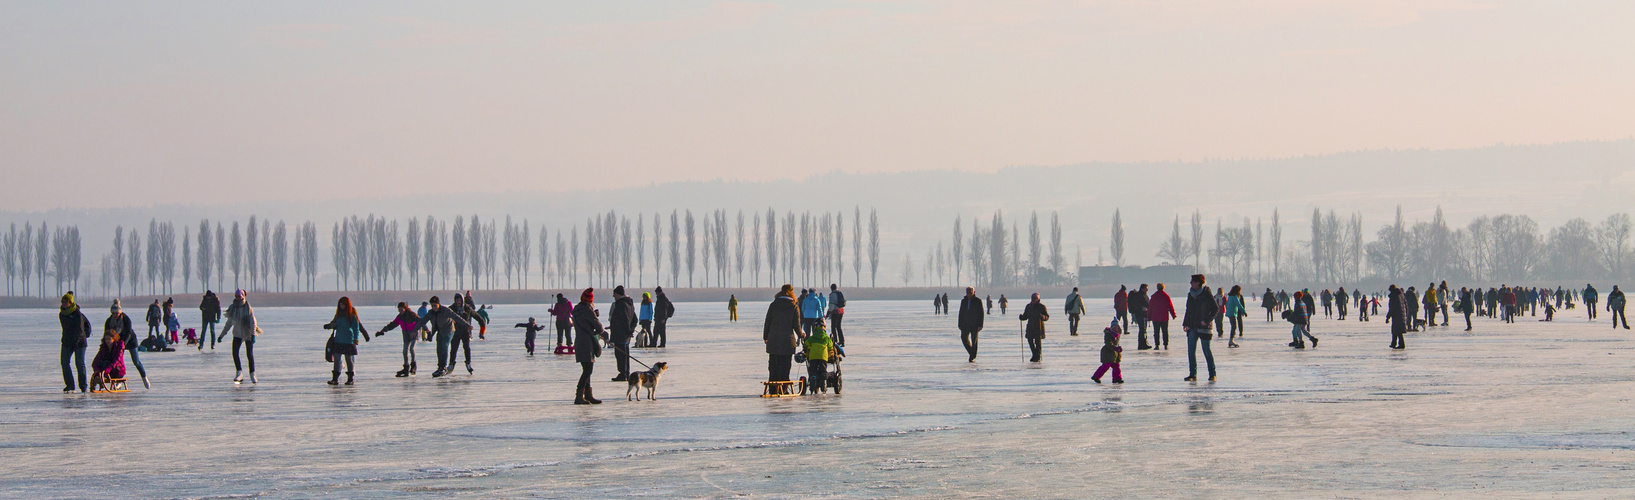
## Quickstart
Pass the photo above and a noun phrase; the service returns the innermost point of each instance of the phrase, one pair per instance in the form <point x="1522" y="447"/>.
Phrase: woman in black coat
<point x="1036" y="316"/>
<point x="587" y="347"/>
<point x="1398" y="317"/>
<point x="782" y="334"/>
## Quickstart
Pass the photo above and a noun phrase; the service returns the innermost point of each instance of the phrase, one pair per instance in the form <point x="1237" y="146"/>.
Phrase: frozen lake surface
<point x="1526" y="409"/>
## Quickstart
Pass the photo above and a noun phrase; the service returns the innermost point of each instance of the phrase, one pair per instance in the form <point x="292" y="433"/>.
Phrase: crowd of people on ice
<point x="1221" y="313"/>
<point x="805" y="326"/>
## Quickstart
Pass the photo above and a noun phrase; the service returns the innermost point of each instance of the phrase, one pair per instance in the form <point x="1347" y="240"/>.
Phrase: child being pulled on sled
<point x="1111" y="354"/>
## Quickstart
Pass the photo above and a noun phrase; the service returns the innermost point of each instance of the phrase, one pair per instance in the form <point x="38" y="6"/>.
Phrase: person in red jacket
<point x="1160" y="310"/>
<point x="1121" y="307"/>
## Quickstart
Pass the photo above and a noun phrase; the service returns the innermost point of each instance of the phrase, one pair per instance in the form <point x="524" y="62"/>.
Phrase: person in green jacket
<point x="820" y="349"/>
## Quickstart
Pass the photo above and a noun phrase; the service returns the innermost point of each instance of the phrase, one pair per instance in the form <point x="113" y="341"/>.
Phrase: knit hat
<point x="618" y="290"/>
<point x="115" y="306"/>
<point x="589" y="295"/>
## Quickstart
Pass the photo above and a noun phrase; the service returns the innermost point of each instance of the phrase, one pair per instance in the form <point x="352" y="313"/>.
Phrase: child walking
<point x="1111" y="354"/>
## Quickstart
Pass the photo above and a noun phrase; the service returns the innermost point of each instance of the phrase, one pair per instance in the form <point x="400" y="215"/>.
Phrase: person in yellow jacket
<point x="732" y="307"/>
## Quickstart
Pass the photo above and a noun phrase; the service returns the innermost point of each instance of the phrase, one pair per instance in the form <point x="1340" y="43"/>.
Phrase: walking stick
<point x="1022" y="335"/>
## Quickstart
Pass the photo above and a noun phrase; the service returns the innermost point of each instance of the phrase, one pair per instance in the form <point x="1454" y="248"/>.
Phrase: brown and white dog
<point x="648" y="379"/>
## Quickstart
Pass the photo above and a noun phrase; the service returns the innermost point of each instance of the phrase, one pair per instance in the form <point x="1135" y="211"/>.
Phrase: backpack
<point x="840" y="300"/>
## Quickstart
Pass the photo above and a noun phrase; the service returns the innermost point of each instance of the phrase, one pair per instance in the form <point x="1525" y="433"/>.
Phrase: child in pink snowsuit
<point x="1111" y="354"/>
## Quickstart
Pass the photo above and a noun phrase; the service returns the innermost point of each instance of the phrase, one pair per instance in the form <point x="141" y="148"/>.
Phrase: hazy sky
<point x="122" y="103"/>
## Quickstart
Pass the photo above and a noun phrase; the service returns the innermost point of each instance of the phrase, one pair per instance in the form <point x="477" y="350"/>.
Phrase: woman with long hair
<point x="241" y="323"/>
<point x="347" y="330"/>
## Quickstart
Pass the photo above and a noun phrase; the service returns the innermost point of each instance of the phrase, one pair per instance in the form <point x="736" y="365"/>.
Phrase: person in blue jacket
<point x="812" y="310"/>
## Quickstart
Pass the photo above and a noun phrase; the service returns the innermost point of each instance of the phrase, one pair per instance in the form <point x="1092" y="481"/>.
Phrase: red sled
<point x="564" y="349"/>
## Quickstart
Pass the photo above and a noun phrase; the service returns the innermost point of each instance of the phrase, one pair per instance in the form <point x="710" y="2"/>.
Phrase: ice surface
<point x="1526" y="409"/>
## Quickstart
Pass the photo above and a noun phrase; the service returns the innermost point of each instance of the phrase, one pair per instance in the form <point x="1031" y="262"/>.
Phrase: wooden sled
<point x="784" y="389"/>
<point x="102" y="385"/>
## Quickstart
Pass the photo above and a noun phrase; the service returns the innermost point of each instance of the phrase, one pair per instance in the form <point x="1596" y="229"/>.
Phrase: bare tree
<point x="1277" y="247"/>
<point x="133" y="260"/>
<point x="908" y="269"/>
<point x="205" y="255"/>
<point x="1117" y="238"/>
<point x="1034" y="249"/>
<point x="771" y="247"/>
<point x="958" y="248"/>
<point x="874" y="246"/>
<point x="857" y="245"/>
<point x="1174" y="250"/>
<point x="1197" y="240"/>
<point x="690" y="249"/>
<point x="1612" y="239"/>
<point x="1056" y="259"/>
<point x="675" y="249"/>
<point x="187" y="258"/>
<point x="738" y="249"/>
<point x="237" y="254"/>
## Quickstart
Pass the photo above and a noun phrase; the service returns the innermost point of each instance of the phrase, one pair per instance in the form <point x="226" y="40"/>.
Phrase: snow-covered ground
<point x="1526" y="409"/>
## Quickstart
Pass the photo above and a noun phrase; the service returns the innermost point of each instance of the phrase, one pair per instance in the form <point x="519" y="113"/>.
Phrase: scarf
<point x="72" y="307"/>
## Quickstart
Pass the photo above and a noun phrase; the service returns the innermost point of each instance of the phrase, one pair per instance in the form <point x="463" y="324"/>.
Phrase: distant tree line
<point x="715" y="249"/>
<point x="37" y="253"/>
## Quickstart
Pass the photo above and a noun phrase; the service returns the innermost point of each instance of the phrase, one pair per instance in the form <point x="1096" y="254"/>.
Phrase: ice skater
<point x="530" y="329"/>
<point x="348" y="328"/>
<point x="1111" y="354"/>
<point x="406" y="320"/>
<point x="242" y="325"/>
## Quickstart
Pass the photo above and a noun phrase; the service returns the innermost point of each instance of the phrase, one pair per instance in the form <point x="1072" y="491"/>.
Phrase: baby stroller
<point x="831" y="373"/>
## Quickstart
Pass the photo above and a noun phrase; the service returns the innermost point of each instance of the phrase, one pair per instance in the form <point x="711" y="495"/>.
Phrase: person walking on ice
<point x="970" y="322"/>
<point x="1111" y="354"/>
<point x="1201" y="309"/>
<point x="1615" y="305"/>
<point x="1074" y="308"/>
<point x="1035" y="315"/>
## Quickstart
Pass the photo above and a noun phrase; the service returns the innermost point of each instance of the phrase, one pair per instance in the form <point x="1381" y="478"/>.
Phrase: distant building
<point x="1134" y="275"/>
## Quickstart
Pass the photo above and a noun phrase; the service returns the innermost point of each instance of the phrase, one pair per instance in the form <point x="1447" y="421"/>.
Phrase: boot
<point x="438" y="373"/>
<point x="252" y="378"/>
<point x="591" y="397"/>
<point x="348" y="378"/>
<point x="579" y="396"/>
<point x="413" y="367"/>
<point x="238" y="377"/>
<point x="335" y="378"/>
<point x="404" y="372"/>
<point x="145" y="384"/>
<point x="469" y="369"/>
